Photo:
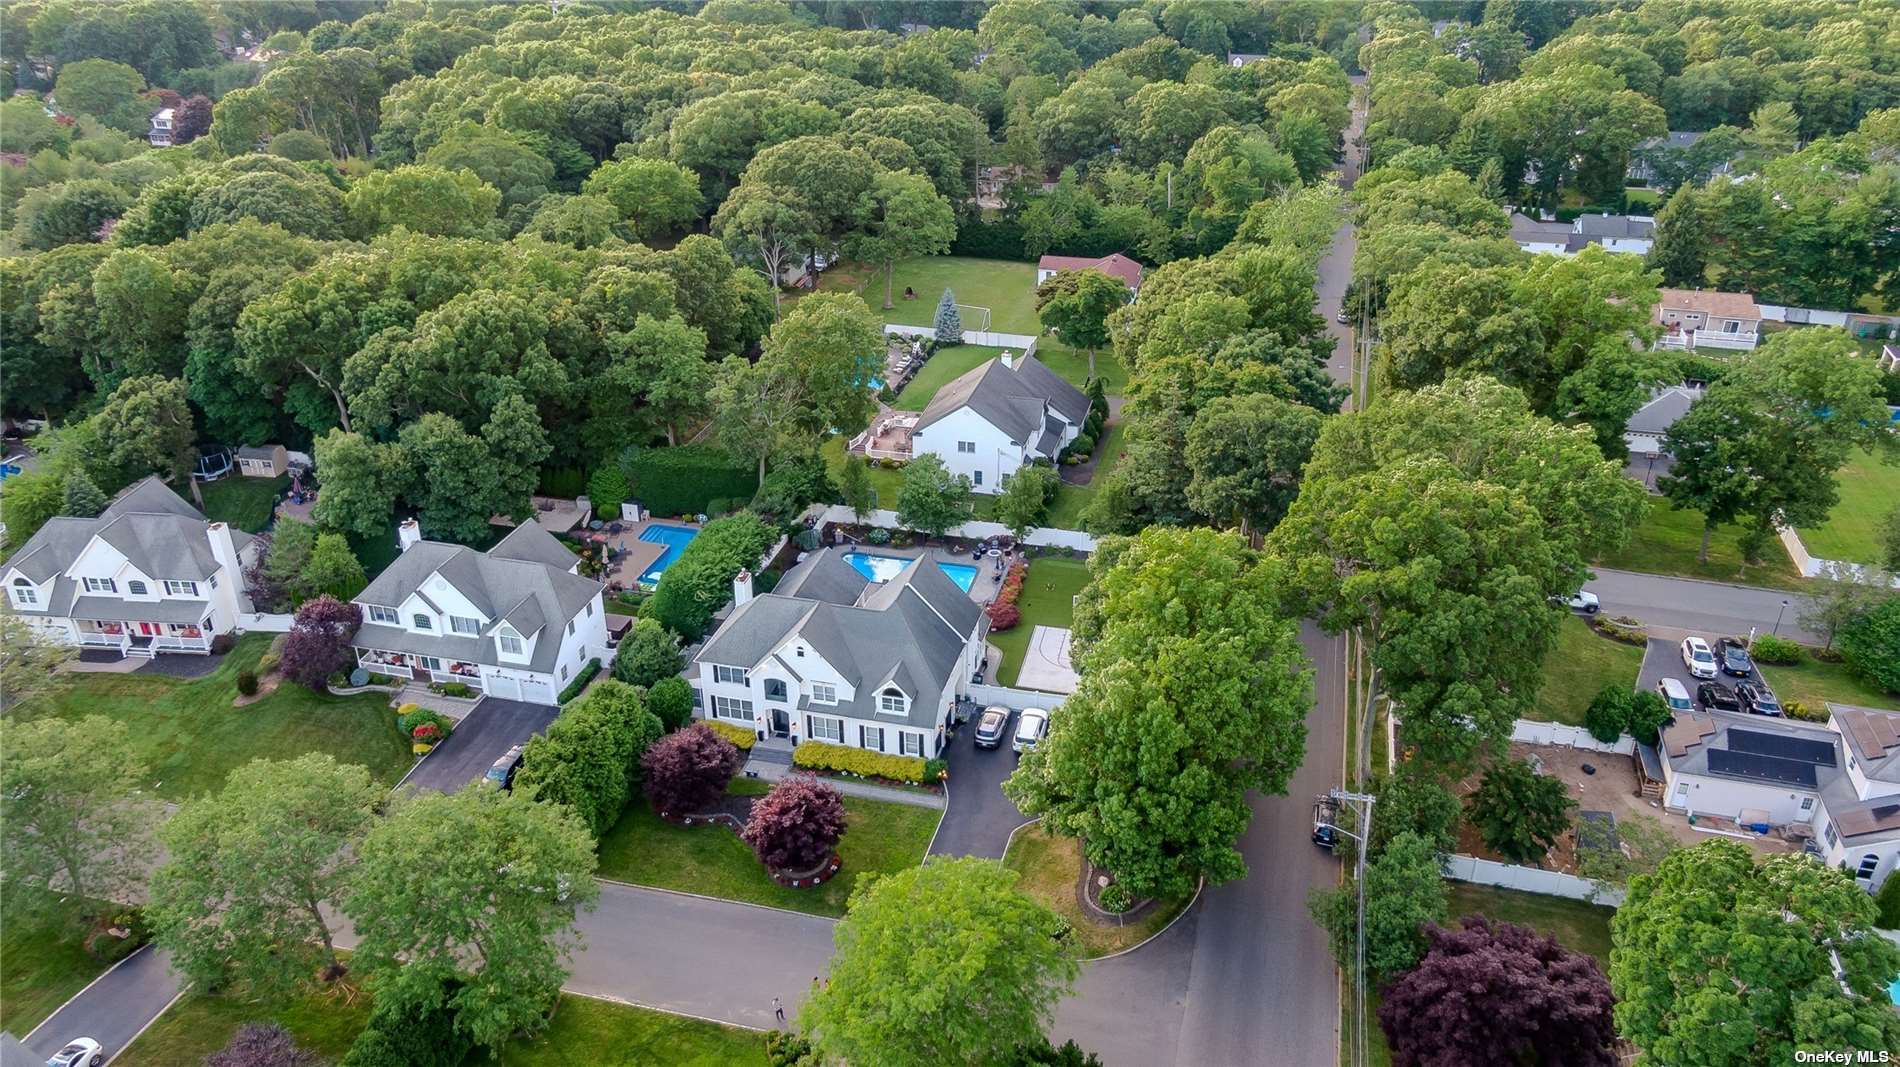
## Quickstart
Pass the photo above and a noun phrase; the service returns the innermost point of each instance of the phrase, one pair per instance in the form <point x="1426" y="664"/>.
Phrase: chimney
<point x="224" y="550"/>
<point x="1008" y="360"/>
<point x="742" y="589"/>
<point x="408" y="533"/>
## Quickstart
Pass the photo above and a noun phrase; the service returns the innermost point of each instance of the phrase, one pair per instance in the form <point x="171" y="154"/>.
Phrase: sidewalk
<point x="771" y="770"/>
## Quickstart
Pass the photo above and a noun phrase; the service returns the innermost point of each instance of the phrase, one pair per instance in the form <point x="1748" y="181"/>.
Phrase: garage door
<point x="537" y="692"/>
<point x="504" y="687"/>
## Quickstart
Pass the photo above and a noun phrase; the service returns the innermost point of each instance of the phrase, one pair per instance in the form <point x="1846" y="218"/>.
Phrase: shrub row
<point x="580" y="681"/>
<point x="1776" y="651"/>
<point x="687" y="479"/>
<point x="741" y="738"/>
<point x="699" y="582"/>
<point x="590" y="755"/>
<point x="1003" y="612"/>
<point x="1627" y="630"/>
<point x="824" y="756"/>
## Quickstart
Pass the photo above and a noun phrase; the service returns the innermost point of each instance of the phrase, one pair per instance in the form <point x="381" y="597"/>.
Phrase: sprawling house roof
<point x="1016" y="397"/>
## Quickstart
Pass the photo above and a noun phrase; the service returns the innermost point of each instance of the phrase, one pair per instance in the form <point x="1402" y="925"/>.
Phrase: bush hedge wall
<point x="686" y="480"/>
<point x="699" y="582"/>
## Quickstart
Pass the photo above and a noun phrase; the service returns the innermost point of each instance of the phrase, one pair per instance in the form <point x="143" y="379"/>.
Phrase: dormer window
<point x="423" y="623"/>
<point x="181" y="588"/>
<point x="462" y="624"/>
<point x="510" y="645"/>
<point x="891" y="702"/>
<point x="24" y="593"/>
<point x="101" y="585"/>
<point x="135" y="587"/>
<point x="387" y="616"/>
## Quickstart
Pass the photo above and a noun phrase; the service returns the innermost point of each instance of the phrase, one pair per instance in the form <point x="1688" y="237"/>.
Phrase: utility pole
<point x="1361" y="804"/>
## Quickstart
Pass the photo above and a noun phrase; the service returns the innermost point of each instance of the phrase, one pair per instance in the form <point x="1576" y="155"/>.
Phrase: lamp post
<point x="1778" y="614"/>
<point x="1363" y="802"/>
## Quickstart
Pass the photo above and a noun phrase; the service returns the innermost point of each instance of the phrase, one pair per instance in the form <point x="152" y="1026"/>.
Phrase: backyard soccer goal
<point x="974" y="317"/>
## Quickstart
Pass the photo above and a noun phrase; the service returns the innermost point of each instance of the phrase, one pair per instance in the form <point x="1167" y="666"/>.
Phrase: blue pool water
<point x="884" y="568"/>
<point x="675" y="538"/>
<point x="1893" y="991"/>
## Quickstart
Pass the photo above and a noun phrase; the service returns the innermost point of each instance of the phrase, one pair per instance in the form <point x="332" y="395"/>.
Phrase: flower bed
<point x="741" y="738"/>
<point x="1003" y="612"/>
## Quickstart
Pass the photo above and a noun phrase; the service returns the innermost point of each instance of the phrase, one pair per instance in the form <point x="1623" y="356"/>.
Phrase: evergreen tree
<point x="333" y="568"/>
<point x="1681" y="247"/>
<point x="83" y="498"/>
<point x="949" y="323"/>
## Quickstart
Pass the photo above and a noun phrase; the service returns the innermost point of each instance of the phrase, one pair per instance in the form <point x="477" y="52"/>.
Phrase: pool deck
<point x="983" y="590"/>
<point x="625" y="572"/>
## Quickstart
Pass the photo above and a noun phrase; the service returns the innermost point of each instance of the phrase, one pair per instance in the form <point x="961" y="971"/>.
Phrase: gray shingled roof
<point x="1615" y="226"/>
<point x="1660" y="413"/>
<point x="518" y="587"/>
<point x="156" y="530"/>
<point x="1010" y="398"/>
<point x="824" y="576"/>
<point x="907" y="632"/>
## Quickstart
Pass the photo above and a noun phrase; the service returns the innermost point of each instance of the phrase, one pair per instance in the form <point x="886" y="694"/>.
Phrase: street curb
<point x="147" y="947"/>
<point x="1178" y="916"/>
<point x="1708" y="581"/>
<point x="715" y="900"/>
<point x="149" y="1023"/>
<point x="942" y="814"/>
<point x="605" y="999"/>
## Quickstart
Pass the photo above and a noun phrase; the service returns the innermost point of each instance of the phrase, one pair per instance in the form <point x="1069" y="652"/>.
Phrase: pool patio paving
<point x="983" y="589"/>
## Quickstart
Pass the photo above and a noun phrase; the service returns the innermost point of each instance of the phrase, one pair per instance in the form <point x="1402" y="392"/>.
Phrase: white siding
<point x="1720" y="796"/>
<point x="995" y="457"/>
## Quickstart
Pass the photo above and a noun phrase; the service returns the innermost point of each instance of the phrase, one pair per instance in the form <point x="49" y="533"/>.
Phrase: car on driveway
<point x="1582" y="600"/>
<point x="79" y="1052"/>
<point x="1757" y="700"/>
<point x="502" y="772"/>
<point x="1675" y="696"/>
<point x="1698" y="657"/>
<point x="991" y="726"/>
<point x="1733" y="656"/>
<point x="1714" y="696"/>
<point x="1030" y="726"/>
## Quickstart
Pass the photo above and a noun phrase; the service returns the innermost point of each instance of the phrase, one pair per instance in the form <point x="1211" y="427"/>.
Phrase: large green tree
<point x="1194" y="690"/>
<point x="361" y="479"/>
<point x="1405" y="890"/>
<point x="71" y="814"/>
<point x="932" y="498"/>
<point x="947" y="962"/>
<point x="655" y="198"/>
<point x="254" y="872"/>
<point x="147" y="426"/>
<point x="425" y="199"/>
<point x="900" y="217"/>
<point x="1246" y="454"/>
<point x="1721" y="960"/>
<point x="481" y="885"/>
<point x="1077" y="304"/>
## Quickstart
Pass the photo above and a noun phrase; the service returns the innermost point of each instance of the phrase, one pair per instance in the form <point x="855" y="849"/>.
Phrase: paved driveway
<point x="979" y="817"/>
<point x="491" y="728"/>
<point x="1662" y="658"/>
<point x="114" y="1008"/>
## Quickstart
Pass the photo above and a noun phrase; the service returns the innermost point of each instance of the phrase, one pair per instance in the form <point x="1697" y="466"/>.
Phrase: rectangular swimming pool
<point x="883" y="568"/>
<point x="675" y="538"/>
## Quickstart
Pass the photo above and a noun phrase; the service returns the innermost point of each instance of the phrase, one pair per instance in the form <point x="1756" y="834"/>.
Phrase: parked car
<point x="1343" y="317"/>
<point x="1675" y="695"/>
<point x="1714" y="696"/>
<point x="1697" y="656"/>
<point x="1582" y="600"/>
<point x="1756" y="699"/>
<point x="502" y="774"/>
<point x="79" y="1052"/>
<point x="1031" y="725"/>
<point x="1734" y="657"/>
<point x="991" y="726"/>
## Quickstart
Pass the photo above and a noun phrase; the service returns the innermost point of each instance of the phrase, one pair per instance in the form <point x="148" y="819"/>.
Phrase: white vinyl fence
<point x="1530" y="732"/>
<point x="1812" y="566"/>
<point x="1530" y="880"/>
<point x="264" y="622"/>
<point x="1047" y="537"/>
<point x="1015" y="699"/>
<point x="992" y="338"/>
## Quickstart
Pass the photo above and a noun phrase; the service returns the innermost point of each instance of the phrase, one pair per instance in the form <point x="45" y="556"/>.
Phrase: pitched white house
<point x="150" y="574"/>
<point x="1839" y="781"/>
<point x="998" y="417"/>
<point x="830" y="655"/>
<point x="517" y="621"/>
<point x="1115" y="266"/>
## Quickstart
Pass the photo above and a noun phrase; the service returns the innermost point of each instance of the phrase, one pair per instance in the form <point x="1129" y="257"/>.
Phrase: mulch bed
<point x="1088" y="892"/>
<point x="732" y="812"/>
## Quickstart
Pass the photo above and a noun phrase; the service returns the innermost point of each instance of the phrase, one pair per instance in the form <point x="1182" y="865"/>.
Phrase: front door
<point x="148" y="629"/>
<point x="781" y="723"/>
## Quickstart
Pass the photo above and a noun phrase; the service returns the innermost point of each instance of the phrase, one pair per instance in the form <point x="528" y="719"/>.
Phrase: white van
<point x="1030" y="726"/>
<point x="1676" y="696"/>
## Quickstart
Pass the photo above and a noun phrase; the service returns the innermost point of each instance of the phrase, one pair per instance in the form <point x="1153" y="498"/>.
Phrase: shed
<point x="263" y="461"/>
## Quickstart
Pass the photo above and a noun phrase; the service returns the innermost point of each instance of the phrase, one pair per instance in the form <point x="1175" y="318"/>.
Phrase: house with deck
<point x="1705" y="318"/>
<point x="149" y="575"/>
<point x="517" y="621"/>
<point x="832" y="655"/>
<point x="997" y="418"/>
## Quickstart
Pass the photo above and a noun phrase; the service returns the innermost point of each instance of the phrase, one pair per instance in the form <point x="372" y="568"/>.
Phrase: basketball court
<point x="1046" y="663"/>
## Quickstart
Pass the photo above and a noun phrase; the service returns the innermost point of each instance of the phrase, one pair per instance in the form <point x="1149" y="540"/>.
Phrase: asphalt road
<point x="114" y="1008"/>
<point x="490" y="729"/>
<point x="1707" y="607"/>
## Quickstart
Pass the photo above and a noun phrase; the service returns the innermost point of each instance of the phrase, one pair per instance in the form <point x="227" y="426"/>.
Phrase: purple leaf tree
<point x="796" y="826"/>
<point x="319" y="641"/>
<point x="1499" y="993"/>
<point x="686" y="772"/>
<point x="263" y="1045"/>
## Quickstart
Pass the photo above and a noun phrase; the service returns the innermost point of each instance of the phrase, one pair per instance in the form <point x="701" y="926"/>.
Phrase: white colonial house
<point x="1838" y="782"/>
<point x="999" y="417"/>
<point x="517" y="621"/>
<point x="830" y="655"/>
<point x="151" y="574"/>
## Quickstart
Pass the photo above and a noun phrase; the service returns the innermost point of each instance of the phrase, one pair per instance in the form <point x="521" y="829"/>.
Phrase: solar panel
<point x="1761" y="768"/>
<point x="1805" y="750"/>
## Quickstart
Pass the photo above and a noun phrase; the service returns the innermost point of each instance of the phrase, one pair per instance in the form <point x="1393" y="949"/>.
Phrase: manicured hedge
<point x="699" y="582"/>
<point x="590" y="755"/>
<point x="822" y="756"/>
<point x="687" y="479"/>
<point x="580" y="681"/>
<point x="741" y="738"/>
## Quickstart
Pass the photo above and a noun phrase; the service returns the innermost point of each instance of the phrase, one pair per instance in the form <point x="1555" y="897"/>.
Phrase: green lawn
<point x="43" y="961"/>
<point x="1073" y="365"/>
<point x="1582" y="663"/>
<point x="1668" y="538"/>
<point x="1638" y="199"/>
<point x="378" y="552"/>
<point x="1047" y="600"/>
<point x="246" y="503"/>
<point x="583" y="1030"/>
<point x="1869" y="490"/>
<point x="939" y="370"/>
<point x="1065" y="513"/>
<point x="190" y="737"/>
<point x="1007" y="288"/>
<point x="880" y="837"/>
<point x="1050" y="867"/>
<point x="1812" y="682"/>
<point x="1576" y="925"/>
